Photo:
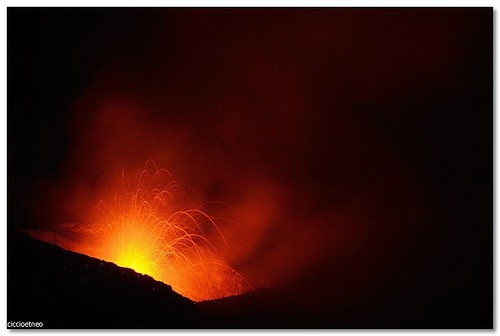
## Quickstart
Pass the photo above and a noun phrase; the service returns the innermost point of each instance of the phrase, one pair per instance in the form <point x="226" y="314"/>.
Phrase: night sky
<point x="354" y="146"/>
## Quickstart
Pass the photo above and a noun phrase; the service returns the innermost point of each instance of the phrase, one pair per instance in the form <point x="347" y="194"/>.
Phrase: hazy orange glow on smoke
<point x="310" y="179"/>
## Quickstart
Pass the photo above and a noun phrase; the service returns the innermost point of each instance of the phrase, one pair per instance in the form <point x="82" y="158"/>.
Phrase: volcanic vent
<point x="140" y="225"/>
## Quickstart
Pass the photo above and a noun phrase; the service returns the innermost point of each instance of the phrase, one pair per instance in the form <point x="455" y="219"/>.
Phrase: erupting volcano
<point x="250" y="167"/>
<point x="143" y="227"/>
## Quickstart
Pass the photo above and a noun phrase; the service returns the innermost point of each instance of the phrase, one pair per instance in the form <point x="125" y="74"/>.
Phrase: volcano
<point x="332" y="167"/>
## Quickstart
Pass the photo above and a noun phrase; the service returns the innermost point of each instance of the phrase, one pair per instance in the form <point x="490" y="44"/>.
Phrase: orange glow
<point x="145" y="230"/>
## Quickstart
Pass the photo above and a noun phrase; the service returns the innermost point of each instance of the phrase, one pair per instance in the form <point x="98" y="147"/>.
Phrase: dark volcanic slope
<point x="262" y="308"/>
<point x="63" y="289"/>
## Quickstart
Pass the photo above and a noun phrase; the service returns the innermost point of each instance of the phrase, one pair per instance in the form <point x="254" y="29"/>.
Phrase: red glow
<point x="144" y="228"/>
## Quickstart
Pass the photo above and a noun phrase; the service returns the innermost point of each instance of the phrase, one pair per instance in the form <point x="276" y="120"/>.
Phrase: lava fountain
<point x="143" y="228"/>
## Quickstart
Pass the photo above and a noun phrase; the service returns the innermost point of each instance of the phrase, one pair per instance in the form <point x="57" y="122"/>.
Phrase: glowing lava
<point x="144" y="230"/>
